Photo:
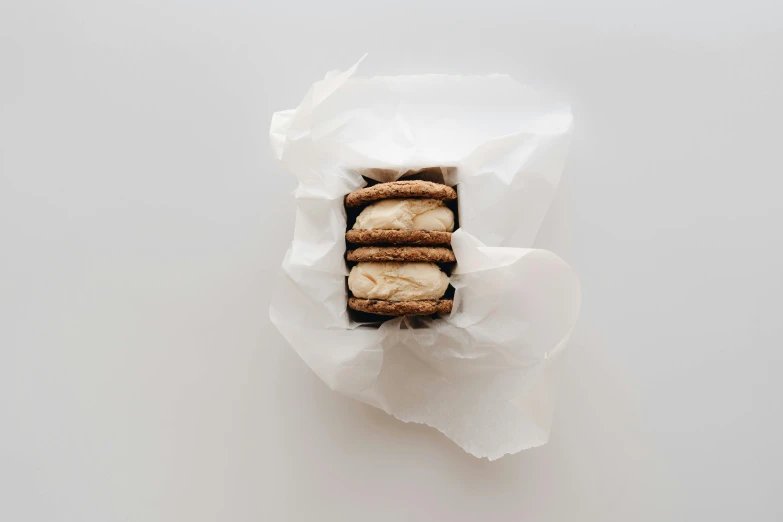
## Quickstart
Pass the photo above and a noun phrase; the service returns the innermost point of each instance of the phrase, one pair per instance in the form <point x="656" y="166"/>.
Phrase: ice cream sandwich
<point x="398" y="288"/>
<point x="402" y="213"/>
<point x="409" y="226"/>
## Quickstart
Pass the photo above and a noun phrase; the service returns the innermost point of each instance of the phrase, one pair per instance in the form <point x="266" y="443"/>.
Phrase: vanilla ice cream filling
<point x="406" y="214"/>
<point x="395" y="281"/>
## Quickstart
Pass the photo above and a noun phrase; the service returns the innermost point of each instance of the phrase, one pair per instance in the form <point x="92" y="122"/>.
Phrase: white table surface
<point x="143" y="220"/>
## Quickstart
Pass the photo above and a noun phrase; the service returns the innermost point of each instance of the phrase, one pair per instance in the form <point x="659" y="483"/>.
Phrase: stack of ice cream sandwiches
<point x="400" y="243"/>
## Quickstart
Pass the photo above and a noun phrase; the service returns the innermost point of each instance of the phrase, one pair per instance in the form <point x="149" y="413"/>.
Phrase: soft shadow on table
<point x="598" y="447"/>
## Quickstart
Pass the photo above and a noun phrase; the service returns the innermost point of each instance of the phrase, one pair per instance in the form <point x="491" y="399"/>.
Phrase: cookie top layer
<point x="404" y="253"/>
<point x="398" y="308"/>
<point x="398" y="237"/>
<point x="400" y="189"/>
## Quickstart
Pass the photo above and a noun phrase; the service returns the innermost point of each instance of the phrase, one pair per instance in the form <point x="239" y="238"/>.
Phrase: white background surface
<point x="142" y="221"/>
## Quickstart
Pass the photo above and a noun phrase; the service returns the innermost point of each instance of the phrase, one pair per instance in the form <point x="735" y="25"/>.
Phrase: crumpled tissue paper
<point x="486" y="375"/>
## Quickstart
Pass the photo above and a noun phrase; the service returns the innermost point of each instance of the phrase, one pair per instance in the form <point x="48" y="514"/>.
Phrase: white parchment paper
<point x="486" y="375"/>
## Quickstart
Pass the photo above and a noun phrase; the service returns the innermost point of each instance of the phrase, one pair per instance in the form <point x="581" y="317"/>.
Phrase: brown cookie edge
<point x="424" y="254"/>
<point x="398" y="237"/>
<point x="400" y="308"/>
<point x="400" y="190"/>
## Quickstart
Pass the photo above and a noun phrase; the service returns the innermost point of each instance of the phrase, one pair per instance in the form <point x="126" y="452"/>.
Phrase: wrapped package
<point x="486" y="374"/>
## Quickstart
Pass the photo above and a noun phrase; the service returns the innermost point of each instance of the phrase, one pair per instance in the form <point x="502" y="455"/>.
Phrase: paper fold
<point x="486" y="375"/>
